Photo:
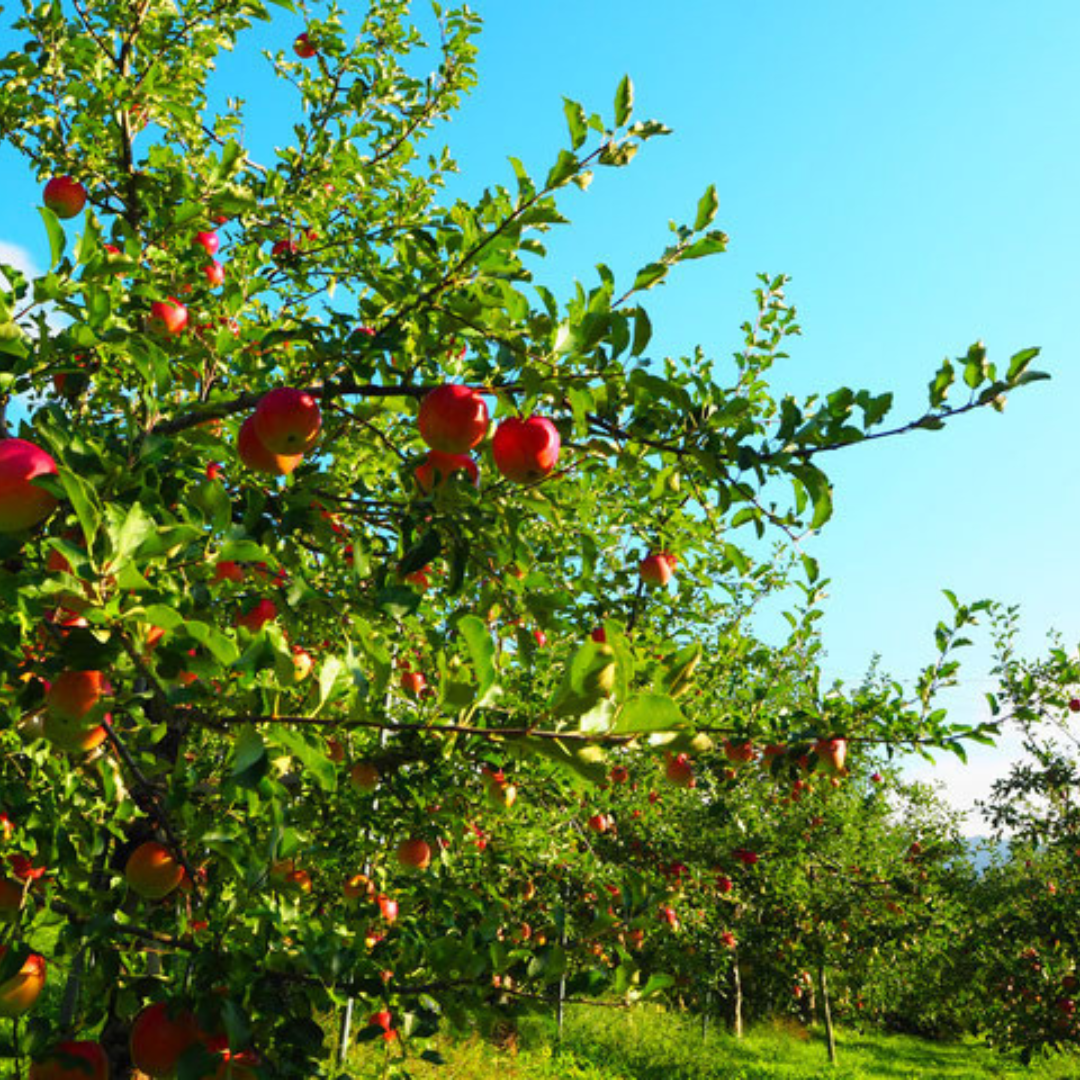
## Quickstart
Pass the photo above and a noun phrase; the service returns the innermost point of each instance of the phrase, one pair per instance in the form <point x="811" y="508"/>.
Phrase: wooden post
<point x="830" y="1034"/>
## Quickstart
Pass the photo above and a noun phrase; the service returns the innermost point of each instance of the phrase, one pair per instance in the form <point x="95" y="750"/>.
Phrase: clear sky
<point x="914" y="168"/>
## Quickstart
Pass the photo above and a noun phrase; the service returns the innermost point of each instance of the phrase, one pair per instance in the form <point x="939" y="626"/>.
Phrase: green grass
<point x="650" y="1044"/>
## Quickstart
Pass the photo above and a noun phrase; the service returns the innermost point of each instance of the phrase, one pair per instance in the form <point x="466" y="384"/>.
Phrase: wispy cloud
<point x="19" y="257"/>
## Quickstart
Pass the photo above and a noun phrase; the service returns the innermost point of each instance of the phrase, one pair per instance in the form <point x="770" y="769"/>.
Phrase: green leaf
<point x="397" y="601"/>
<point x="56" y="234"/>
<point x="222" y="648"/>
<point x="329" y="671"/>
<point x="624" y="101"/>
<point x="84" y="502"/>
<point x="648" y="712"/>
<point x="575" y="121"/>
<point x="564" y="168"/>
<point x="127" y="535"/>
<point x="313" y="758"/>
<point x="642" y="331"/>
<point x="482" y="653"/>
<point x="819" y="489"/>
<point x="420" y="554"/>
<point x="248" y="751"/>
<point x="657" y="984"/>
<point x="649" y="275"/>
<point x="707" y="206"/>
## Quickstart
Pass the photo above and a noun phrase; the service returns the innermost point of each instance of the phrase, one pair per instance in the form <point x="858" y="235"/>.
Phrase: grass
<point x="651" y="1044"/>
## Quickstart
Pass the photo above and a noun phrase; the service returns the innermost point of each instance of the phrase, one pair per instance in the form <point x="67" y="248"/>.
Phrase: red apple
<point x="525" y="450"/>
<point x="159" y="1037"/>
<point x="600" y="823"/>
<point x="19" y="992"/>
<point x="209" y="242"/>
<point x="257" y="458"/>
<point x="724" y="884"/>
<point x="439" y="467"/>
<point x="287" y="421"/>
<point x="227" y="570"/>
<point x="620" y="774"/>
<point x="414" y="854"/>
<point x="739" y="753"/>
<point x="383" y="1019"/>
<point x="75" y="694"/>
<point x="1074" y="704"/>
<point x="453" y="419"/>
<point x="168" y="318"/>
<point x="153" y="871"/>
<point x="364" y="776"/>
<point x="727" y="939"/>
<point x="746" y="856"/>
<point x="413" y="683"/>
<point x="388" y="908"/>
<point x="599" y="635"/>
<point x="215" y="274"/>
<point x="71" y="1060"/>
<point x="657" y="568"/>
<point x="680" y="771"/>
<point x="64" y="196"/>
<point x="285" y="251"/>
<point x="831" y="753"/>
<point x="22" y="503"/>
<point x="261" y="613"/>
<point x="303" y="48"/>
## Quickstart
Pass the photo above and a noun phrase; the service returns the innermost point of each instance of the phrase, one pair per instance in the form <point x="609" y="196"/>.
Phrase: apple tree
<point x="311" y="491"/>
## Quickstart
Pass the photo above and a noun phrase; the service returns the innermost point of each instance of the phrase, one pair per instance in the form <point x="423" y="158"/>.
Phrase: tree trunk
<point x="736" y="1004"/>
<point x="830" y="1034"/>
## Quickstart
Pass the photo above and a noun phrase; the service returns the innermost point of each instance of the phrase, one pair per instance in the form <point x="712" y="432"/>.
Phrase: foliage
<point x="348" y="279"/>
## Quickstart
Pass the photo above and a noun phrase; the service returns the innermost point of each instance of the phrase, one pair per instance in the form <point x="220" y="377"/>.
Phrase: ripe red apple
<point x="724" y="884"/>
<point x="19" y="992"/>
<point x="727" y="939"/>
<point x="414" y="854"/>
<point x="64" y="196"/>
<point x="261" y="613"/>
<point x="168" y="318"/>
<point x="227" y="570"/>
<point x="287" y="421"/>
<point x="209" y="242"/>
<point x="215" y="274"/>
<point x="152" y="870"/>
<point x="680" y="771"/>
<point x="22" y="503"/>
<point x="285" y="251"/>
<point x="1074" y="704"/>
<point x="302" y="664"/>
<point x="831" y="753"/>
<point x="72" y="1060"/>
<point x="599" y="635"/>
<point x="303" y="48"/>
<point x="525" y="450"/>
<point x="746" y="856"/>
<point x="453" y="419"/>
<point x="159" y="1037"/>
<point x="739" y="753"/>
<point x="657" y="568"/>
<point x="388" y="908"/>
<point x="620" y="774"/>
<point x="257" y="458"/>
<point x="75" y="694"/>
<point x="364" y="776"/>
<point x="383" y="1019"/>
<point x="413" y="683"/>
<point x="438" y="467"/>
<point x="601" y="823"/>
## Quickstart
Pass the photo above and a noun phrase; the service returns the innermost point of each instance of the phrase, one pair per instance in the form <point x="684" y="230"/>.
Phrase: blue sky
<point x="913" y="167"/>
